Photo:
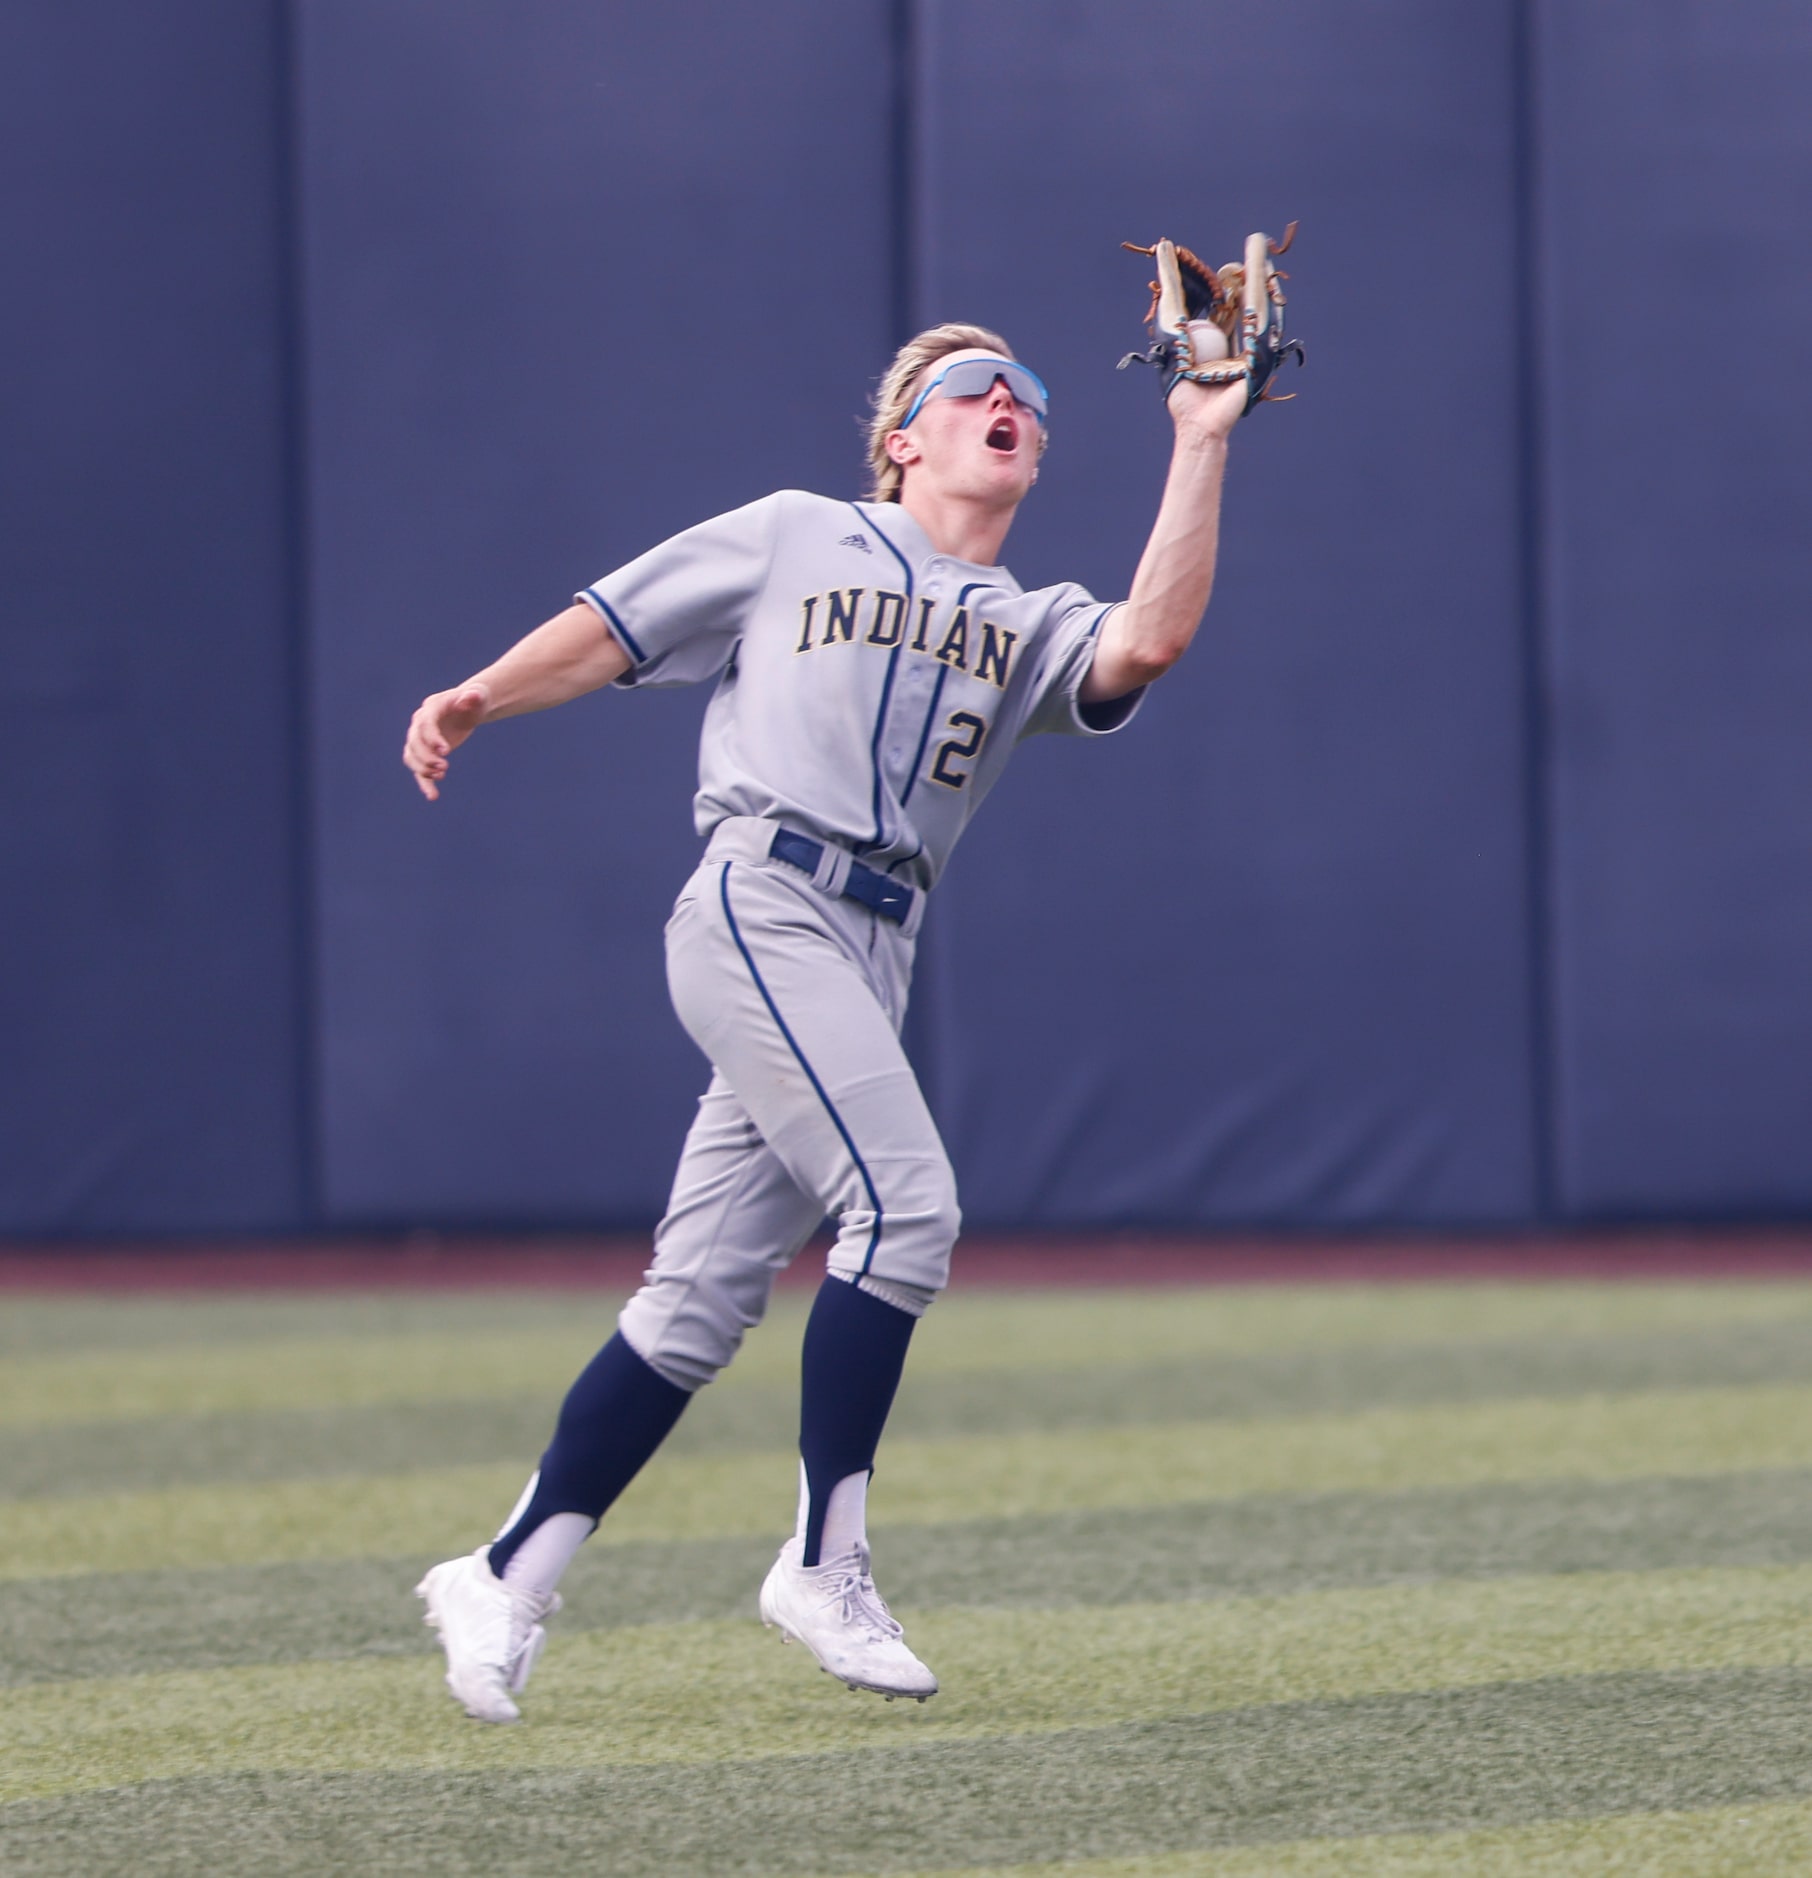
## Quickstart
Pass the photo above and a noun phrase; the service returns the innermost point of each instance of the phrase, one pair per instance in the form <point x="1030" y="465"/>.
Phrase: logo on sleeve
<point x="856" y="541"/>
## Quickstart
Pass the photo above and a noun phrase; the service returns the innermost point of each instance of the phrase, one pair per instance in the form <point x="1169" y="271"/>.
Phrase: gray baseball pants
<point x="797" y="998"/>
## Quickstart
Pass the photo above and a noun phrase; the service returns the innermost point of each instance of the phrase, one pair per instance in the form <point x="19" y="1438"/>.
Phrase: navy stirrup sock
<point x="855" y="1349"/>
<point x="613" y="1419"/>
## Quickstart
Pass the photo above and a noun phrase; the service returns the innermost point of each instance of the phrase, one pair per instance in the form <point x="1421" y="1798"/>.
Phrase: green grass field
<point x="1359" y="1581"/>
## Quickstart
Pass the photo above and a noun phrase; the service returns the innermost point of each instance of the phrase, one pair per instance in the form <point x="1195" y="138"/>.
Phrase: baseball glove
<point x="1218" y="326"/>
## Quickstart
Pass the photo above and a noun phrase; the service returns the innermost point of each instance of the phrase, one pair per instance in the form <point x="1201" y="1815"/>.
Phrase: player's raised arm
<point x="1144" y="638"/>
<point x="573" y="653"/>
<point x="1217" y="339"/>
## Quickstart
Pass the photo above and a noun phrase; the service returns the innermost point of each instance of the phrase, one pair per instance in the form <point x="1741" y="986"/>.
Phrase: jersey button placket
<point x="912" y="687"/>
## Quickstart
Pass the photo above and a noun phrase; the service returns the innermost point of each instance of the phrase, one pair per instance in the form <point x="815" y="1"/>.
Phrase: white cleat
<point x="836" y="1612"/>
<point x="492" y="1633"/>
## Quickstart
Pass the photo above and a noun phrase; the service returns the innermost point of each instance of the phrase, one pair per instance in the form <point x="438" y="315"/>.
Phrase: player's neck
<point x="959" y="526"/>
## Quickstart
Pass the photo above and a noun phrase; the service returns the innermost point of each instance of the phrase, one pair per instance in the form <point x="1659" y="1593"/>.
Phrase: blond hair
<point x="894" y="394"/>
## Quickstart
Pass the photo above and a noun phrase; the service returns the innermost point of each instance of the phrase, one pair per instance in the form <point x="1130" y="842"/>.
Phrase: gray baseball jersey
<point x="870" y="689"/>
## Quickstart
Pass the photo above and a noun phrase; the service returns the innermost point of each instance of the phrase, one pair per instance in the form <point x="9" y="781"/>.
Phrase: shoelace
<point x="862" y="1603"/>
<point x="532" y="1606"/>
<point x="506" y="1627"/>
<point x="527" y="1609"/>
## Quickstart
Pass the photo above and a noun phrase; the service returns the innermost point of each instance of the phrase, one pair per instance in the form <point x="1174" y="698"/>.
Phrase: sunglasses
<point x="974" y="378"/>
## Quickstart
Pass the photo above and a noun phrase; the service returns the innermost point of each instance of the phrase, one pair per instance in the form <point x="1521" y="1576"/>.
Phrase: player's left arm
<point x="1144" y="638"/>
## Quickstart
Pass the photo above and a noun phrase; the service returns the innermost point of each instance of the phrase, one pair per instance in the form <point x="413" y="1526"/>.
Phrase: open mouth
<point x="1003" y="434"/>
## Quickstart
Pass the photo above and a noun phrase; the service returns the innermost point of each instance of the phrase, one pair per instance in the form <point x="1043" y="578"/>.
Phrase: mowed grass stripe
<point x="38" y="1325"/>
<point x="1752" y="1839"/>
<point x="1507" y="1754"/>
<point x="987" y="1322"/>
<point x="715" y="1692"/>
<point x="60" y="1629"/>
<point x="165" y="1450"/>
<point x="1683" y="1433"/>
<point x="343" y="1372"/>
<point x="966" y="1332"/>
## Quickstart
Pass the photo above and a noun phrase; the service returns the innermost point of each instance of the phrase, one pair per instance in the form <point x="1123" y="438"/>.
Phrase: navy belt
<point x="889" y="898"/>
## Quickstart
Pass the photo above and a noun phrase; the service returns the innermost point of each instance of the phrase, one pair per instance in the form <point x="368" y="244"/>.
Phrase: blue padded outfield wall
<point x="1677" y="561"/>
<point x="153" y="941"/>
<point x="518" y="252"/>
<point x="1264" y="956"/>
<point x="1461" y="876"/>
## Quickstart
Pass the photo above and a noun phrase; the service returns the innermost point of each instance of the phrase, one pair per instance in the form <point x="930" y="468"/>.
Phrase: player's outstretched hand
<point x="1211" y="409"/>
<point x="438" y="728"/>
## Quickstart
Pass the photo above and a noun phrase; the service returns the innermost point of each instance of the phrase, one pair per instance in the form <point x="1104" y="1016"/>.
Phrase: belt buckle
<point x="894" y="901"/>
<point x="891" y="899"/>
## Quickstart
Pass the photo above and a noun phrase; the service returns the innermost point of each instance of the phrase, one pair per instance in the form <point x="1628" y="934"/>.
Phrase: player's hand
<point x="1207" y="410"/>
<point x="438" y="728"/>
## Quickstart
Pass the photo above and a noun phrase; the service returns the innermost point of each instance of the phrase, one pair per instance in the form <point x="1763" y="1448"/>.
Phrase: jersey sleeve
<point x="679" y="609"/>
<point x="1065" y="650"/>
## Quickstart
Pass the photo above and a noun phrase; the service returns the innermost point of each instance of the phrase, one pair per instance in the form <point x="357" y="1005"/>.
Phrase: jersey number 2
<point x="958" y="749"/>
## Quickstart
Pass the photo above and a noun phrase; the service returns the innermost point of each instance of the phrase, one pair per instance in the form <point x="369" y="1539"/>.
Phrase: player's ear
<point x="901" y="448"/>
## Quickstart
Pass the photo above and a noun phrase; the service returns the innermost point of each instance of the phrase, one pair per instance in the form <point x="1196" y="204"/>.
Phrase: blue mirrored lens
<point x="974" y="378"/>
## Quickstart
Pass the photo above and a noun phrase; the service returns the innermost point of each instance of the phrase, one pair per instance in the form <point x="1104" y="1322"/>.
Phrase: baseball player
<point x="875" y="666"/>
